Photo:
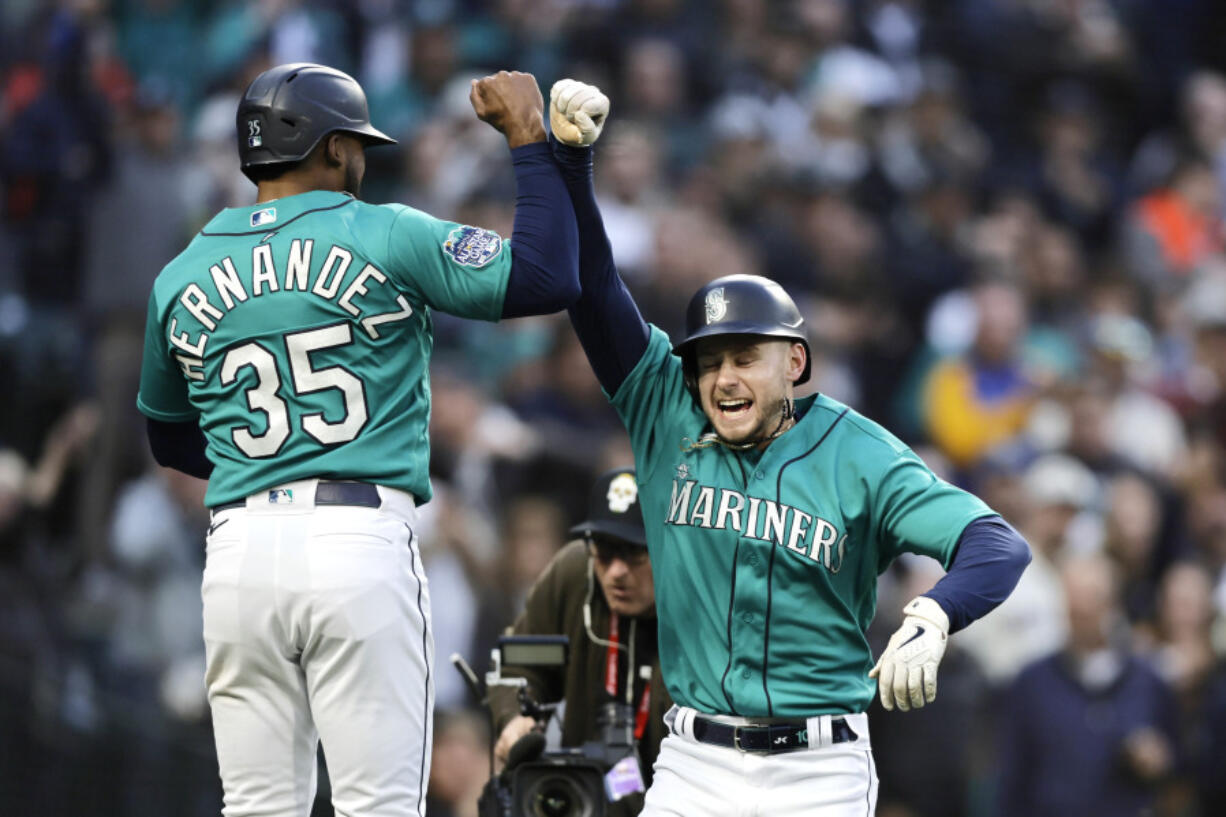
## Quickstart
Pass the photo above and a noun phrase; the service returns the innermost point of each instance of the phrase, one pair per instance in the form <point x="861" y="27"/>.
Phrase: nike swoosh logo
<point x="918" y="632"/>
<point x="215" y="526"/>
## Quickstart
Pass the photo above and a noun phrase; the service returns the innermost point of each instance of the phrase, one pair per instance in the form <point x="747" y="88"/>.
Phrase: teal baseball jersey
<point x="766" y="563"/>
<point x="298" y="333"/>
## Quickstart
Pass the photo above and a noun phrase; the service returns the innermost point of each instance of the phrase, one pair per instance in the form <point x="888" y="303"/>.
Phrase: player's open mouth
<point x="734" y="408"/>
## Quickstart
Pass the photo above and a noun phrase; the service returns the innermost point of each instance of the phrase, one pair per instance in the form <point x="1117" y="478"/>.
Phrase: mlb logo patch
<point x="472" y="246"/>
<point x="266" y="216"/>
<point x="280" y="496"/>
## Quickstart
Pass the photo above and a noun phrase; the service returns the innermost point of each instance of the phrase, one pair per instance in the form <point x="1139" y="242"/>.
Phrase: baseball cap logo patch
<point x="623" y="492"/>
<point x="472" y="246"/>
<point x="716" y="305"/>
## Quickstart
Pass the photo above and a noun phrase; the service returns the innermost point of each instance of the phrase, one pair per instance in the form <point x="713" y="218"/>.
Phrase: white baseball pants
<point x="317" y="627"/>
<point x="693" y="779"/>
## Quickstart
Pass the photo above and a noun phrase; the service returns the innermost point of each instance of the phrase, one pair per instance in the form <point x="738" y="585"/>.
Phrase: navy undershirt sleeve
<point x="989" y="560"/>
<point x="544" y="273"/>
<point x="606" y="319"/>
<point x="180" y="446"/>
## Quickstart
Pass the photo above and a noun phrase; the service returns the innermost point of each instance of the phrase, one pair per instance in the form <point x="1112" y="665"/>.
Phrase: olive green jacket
<point x="555" y="607"/>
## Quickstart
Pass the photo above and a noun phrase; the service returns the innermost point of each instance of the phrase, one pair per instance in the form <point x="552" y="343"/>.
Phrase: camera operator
<point x="598" y="591"/>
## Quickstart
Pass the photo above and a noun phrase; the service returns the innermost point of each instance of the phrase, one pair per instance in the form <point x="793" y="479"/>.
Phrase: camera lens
<point x="558" y="797"/>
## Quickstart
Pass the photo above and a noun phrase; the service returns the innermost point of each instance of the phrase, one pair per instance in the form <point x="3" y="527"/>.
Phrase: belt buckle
<point x="736" y="739"/>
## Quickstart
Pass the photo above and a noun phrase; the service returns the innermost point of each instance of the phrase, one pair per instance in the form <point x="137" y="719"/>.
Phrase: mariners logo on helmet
<point x="716" y="306"/>
<point x="472" y="246"/>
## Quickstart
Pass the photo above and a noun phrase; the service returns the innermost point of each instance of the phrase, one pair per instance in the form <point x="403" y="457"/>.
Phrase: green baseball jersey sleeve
<point x="299" y="333"/>
<point x="765" y="563"/>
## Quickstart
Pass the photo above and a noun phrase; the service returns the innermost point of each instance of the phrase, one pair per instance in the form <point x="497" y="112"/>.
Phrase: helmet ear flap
<point x="689" y="372"/>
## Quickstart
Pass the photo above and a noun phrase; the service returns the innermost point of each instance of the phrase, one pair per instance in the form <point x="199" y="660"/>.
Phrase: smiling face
<point x="743" y="381"/>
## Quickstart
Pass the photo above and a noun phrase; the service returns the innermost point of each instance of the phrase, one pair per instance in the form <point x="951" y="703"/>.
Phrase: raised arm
<point x="605" y="317"/>
<point x="544" y="269"/>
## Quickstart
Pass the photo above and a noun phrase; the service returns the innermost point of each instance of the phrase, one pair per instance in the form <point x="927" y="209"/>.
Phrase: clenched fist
<point x="577" y="112"/>
<point x="512" y="103"/>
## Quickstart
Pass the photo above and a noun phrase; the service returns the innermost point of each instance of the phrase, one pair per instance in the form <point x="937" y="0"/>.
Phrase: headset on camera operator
<point x="599" y="592"/>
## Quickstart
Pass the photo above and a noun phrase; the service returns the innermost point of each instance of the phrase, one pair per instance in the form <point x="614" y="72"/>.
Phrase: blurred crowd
<point x="1003" y="219"/>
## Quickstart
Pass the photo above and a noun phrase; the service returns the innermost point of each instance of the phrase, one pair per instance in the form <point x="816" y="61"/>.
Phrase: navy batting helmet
<point x="286" y="111"/>
<point x="742" y="305"/>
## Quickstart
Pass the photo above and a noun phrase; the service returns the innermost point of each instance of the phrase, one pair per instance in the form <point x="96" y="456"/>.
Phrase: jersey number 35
<point x="306" y="379"/>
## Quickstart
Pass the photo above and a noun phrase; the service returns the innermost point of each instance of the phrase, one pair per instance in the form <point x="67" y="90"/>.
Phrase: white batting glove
<point x="906" y="673"/>
<point x="577" y="112"/>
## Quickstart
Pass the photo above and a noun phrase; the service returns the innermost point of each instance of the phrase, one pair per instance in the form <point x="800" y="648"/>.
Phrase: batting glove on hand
<point x="577" y="112"/>
<point x="906" y="673"/>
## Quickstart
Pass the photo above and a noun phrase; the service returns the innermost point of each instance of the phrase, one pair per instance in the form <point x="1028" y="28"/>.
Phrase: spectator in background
<point x="533" y="531"/>
<point x="631" y="194"/>
<point x="1086" y="405"/>
<point x="659" y="102"/>
<point x="409" y="101"/>
<point x="1075" y="180"/>
<point x="1205" y="305"/>
<point x="460" y="553"/>
<point x="1211" y="747"/>
<point x="459" y="765"/>
<point x="1180" y="635"/>
<point x="1132" y="530"/>
<point x="1201" y="130"/>
<point x="926" y="252"/>
<point x="1120" y="349"/>
<point x="980" y="400"/>
<point x="1091" y="729"/>
<point x="157" y="542"/>
<point x="1174" y="229"/>
<point x="932" y="137"/>
<point x="141" y="220"/>
<point x="154" y="663"/>
<point x="55" y="152"/>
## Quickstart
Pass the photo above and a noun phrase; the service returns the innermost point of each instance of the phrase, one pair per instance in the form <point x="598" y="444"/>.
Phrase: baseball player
<point x="598" y="592"/>
<point x="286" y="357"/>
<point x="768" y="521"/>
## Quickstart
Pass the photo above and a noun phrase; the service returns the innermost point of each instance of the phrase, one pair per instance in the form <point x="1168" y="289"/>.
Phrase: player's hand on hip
<point x="515" y="729"/>
<point x="906" y="673"/>
<point x="577" y="112"/>
<point x="512" y="103"/>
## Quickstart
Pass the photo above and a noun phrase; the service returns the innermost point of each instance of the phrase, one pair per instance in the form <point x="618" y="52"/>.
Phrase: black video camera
<point x="569" y="782"/>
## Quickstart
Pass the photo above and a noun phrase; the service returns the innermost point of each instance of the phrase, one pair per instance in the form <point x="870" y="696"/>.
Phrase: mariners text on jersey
<point x="805" y="534"/>
<point x="266" y="277"/>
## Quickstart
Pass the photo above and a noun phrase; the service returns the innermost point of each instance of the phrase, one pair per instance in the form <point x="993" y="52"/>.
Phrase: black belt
<point x="768" y="738"/>
<point x="362" y="494"/>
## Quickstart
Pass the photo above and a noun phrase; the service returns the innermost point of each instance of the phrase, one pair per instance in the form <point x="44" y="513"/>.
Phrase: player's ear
<point x="796" y="361"/>
<point x="334" y="149"/>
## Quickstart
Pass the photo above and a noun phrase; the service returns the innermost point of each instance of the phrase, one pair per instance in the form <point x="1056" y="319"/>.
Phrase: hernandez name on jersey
<point x="278" y="324"/>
